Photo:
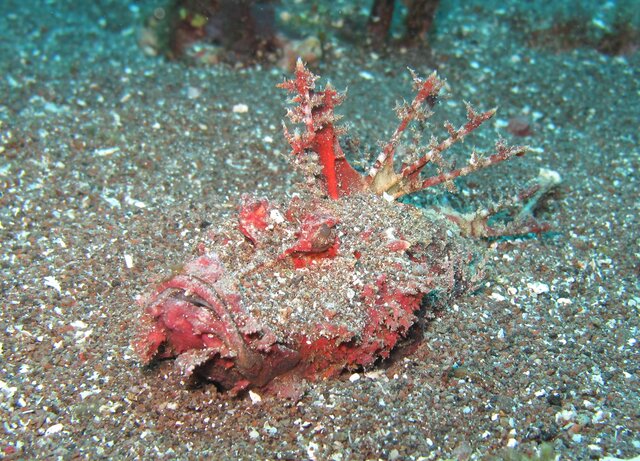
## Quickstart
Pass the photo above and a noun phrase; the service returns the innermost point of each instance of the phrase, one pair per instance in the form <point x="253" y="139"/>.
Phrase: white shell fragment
<point x="240" y="109"/>
<point x="54" y="429"/>
<point x="53" y="283"/>
<point x="128" y="261"/>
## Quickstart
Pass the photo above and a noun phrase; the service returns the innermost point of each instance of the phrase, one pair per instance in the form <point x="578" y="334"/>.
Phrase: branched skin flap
<point x="336" y="277"/>
<point x="315" y="110"/>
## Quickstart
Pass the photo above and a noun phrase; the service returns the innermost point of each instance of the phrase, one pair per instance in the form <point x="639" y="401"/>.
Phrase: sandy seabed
<point x="112" y="163"/>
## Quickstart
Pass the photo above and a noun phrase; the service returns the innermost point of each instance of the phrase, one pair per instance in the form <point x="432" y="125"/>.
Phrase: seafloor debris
<point x="418" y="20"/>
<point x="336" y="276"/>
<point x="237" y="32"/>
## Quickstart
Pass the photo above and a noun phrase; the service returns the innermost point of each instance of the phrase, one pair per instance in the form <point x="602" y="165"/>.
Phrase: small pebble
<point x="54" y="429"/>
<point x="255" y="398"/>
<point x="240" y="109"/>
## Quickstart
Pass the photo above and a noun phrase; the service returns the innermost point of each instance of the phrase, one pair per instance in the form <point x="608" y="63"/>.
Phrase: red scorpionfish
<point x="337" y="277"/>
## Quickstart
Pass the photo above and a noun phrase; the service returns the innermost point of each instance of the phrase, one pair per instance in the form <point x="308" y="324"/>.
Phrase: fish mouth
<point x="192" y="318"/>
